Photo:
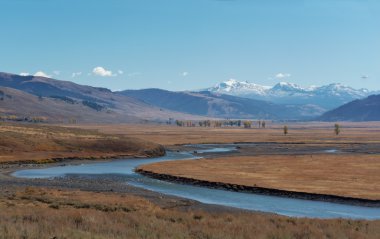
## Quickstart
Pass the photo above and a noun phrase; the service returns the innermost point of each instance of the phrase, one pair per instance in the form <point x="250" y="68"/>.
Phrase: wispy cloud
<point x="75" y="74"/>
<point x="282" y="75"/>
<point x="57" y="73"/>
<point x="185" y="73"/>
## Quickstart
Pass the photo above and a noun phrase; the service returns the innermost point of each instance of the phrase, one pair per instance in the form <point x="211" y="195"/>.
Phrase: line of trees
<point x="247" y="124"/>
<point x="32" y="119"/>
<point x="218" y="123"/>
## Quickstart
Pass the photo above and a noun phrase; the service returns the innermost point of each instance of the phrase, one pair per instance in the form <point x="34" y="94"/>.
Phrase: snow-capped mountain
<point x="327" y="96"/>
<point x="234" y="87"/>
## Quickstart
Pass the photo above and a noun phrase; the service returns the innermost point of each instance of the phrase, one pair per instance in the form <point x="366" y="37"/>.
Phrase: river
<point x="279" y="205"/>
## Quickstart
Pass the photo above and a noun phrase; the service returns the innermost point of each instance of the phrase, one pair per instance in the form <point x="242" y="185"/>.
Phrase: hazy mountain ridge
<point x="222" y="105"/>
<point x="61" y="101"/>
<point x="367" y="109"/>
<point x="328" y="96"/>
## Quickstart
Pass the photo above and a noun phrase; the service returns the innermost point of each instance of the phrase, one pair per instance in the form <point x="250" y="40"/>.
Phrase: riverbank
<point x="340" y="178"/>
<point x="261" y="190"/>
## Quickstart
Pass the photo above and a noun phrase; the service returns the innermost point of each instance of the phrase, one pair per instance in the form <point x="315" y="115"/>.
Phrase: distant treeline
<point x="63" y="98"/>
<point x="91" y="104"/>
<point x="219" y="123"/>
<point x="32" y="119"/>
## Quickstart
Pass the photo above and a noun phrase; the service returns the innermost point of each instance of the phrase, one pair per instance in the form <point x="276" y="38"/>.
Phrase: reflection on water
<point x="279" y="205"/>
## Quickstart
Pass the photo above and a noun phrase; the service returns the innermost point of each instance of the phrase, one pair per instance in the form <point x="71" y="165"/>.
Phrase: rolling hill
<point x="367" y="109"/>
<point x="61" y="101"/>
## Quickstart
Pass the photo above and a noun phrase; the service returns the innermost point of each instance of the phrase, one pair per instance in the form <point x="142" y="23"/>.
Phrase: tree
<point x="337" y="129"/>
<point x="247" y="124"/>
<point x="285" y="130"/>
<point x="179" y="123"/>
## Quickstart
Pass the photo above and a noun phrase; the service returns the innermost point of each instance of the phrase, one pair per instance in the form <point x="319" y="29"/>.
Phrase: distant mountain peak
<point x="287" y="86"/>
<point x="328" y="96"/>
<point x="235" y="86"/>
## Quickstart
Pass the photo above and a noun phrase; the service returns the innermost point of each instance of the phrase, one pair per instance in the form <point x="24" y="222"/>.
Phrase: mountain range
<point x="26" y="98"/>
<point x="327" y="96"/>
<point x="210" y="104"/>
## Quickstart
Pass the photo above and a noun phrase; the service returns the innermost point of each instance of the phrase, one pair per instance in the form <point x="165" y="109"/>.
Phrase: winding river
<point x="279" y="205"/>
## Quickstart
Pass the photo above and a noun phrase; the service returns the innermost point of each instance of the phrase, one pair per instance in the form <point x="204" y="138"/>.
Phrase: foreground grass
<point x="30" y="143"/>
<point x="48" y="213"/>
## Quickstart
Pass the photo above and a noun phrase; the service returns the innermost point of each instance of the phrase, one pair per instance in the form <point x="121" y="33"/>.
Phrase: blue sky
<point x="192" y="44"/>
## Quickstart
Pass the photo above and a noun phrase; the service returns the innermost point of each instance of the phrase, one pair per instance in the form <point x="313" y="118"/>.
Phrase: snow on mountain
<point x="327" y="96"/>
<point x="234" y="87"/>
<point x="341" y="90"/>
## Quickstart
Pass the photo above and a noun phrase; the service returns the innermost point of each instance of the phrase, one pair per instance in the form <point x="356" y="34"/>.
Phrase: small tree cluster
<point x="205" y="123"/>
<point x="261" y="124"/>
<point x="247" y="124"/>
<point x="182" y="123"/>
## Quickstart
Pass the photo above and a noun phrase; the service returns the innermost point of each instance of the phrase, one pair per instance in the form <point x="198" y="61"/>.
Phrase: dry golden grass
<point x="343" y="175"/>
<point x="43" y="144"/>
<point x="348" y="175"/>
<point x="368" y="132"/>
<point x="46" y="213"/>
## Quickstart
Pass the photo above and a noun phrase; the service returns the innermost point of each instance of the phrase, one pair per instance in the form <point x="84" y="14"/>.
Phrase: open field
<point x="30" y="143"/>
<point x="50" y="213"/>
<point x="341" y="174"/>
<point x="368" y="132"/>
<point x="49" y="209"/>
<point x="351" y="174"/>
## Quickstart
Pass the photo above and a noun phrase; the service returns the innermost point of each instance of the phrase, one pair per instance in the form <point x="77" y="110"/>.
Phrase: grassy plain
<point x="31" y="143"/>
<point x="61" y="213"/>
<point x="307" y="133"/>
<point x="353" y="174"/>
<point x="342" y="174"/>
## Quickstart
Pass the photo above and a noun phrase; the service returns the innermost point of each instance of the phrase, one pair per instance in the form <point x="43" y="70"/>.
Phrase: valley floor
<point x="76" y="207"/>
